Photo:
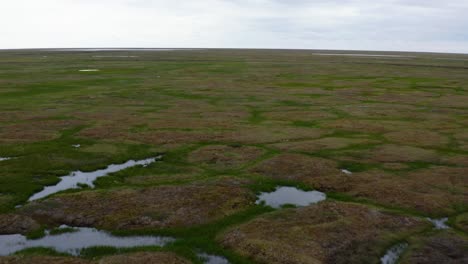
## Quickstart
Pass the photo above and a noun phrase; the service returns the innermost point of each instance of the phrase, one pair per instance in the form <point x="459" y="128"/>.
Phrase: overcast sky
<point x="413" y="25"/>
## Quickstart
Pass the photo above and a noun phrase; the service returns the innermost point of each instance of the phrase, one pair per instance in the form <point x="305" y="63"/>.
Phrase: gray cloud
<point x="421" y="25"/>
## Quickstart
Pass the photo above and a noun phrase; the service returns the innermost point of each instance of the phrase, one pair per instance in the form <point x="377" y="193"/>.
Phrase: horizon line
<point x="198" y="48"/>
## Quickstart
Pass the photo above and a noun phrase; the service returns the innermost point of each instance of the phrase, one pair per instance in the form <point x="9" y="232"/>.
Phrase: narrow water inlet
<point x="74" y="242"/>
<point x="290" y="195"/>
<point x="393" y="254"/>
<point x="89" y="70"/>
<point x="77" y="178"/>
<point x="212" y="259"/>
<point x="5" y="158"/>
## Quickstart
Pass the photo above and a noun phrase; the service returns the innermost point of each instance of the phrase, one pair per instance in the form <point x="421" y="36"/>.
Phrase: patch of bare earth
<point x="328" y="232"/>
<point x="446" y="248"/>
<point x="225" y="157"/>
<point x="156" y="207"/>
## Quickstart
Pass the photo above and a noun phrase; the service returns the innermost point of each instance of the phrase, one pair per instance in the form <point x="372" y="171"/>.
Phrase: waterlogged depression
<point x="439" y="223"/>
<point x="290" y="195"/>
<point x="212" y="259"/>
<point x="89" y="70"/>
<point x="74" y="242"/>
<point x="77" y="178"/>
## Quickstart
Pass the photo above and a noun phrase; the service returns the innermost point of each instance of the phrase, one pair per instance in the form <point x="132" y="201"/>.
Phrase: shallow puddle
<point x="77" y="178"/>
<point x="393" y="254"/>
<point x="212" y="259"/>
<point x="89" y="70"/>
<point x="73" y="242"/>
<point x="439" y="223"/>
<point x="290" y="195"/>
<point x="347" y="172"/>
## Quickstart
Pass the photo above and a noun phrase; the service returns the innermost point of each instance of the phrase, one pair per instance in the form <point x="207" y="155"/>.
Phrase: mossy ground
<point x="252" y="119"/>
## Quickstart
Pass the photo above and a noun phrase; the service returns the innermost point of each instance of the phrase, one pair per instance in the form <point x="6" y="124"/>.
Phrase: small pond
<point x="290" y="196"/>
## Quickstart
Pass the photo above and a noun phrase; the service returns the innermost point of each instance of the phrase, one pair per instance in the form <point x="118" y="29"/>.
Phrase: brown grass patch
<point x="156" y="207"/>
<point x="328" y="232"/>
<point x="225" y="157"/>
<point x="320" y="144"/>
<point x="440" y="248"/>
<point x="295" y="167"/>
<point x="422" y="138"/>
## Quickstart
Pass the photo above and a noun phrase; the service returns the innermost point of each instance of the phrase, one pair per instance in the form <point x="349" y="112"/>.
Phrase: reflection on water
<point x="74" y="242"/>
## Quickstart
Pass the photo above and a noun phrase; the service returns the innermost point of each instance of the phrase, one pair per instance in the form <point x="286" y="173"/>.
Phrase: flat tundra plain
<point x="383" y="135"/>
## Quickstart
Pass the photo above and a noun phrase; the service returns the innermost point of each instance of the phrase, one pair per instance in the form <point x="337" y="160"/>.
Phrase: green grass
<point x="173" y="103"/>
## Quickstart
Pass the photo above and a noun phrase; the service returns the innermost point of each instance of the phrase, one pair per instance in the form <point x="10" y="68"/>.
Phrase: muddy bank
<point x="157" y="207"/>
<point x="328" y="232"/>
